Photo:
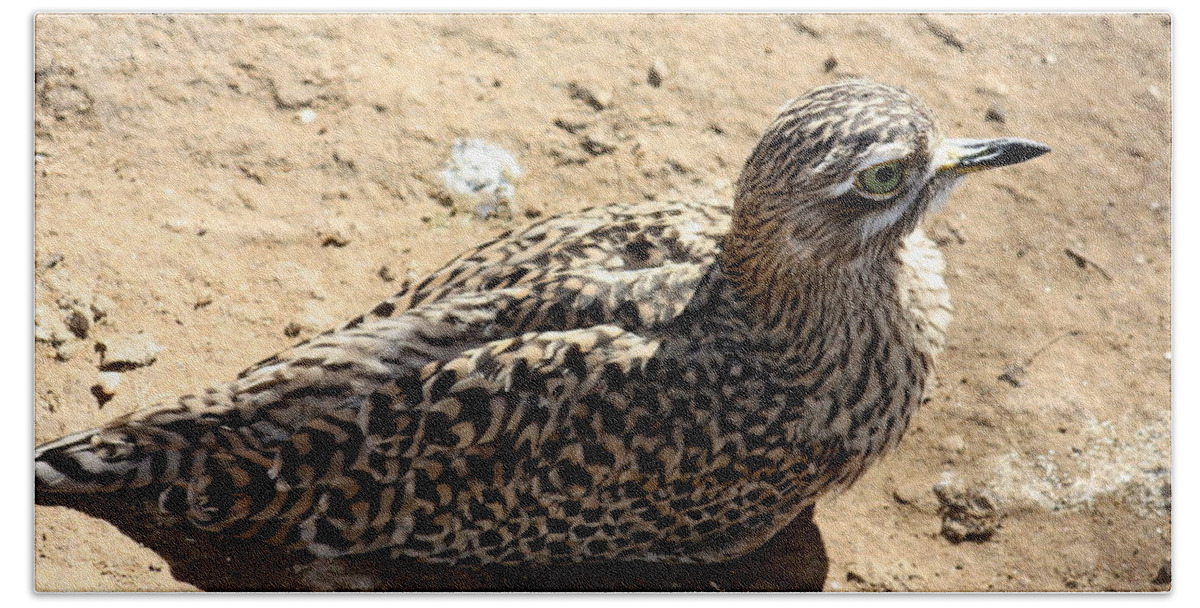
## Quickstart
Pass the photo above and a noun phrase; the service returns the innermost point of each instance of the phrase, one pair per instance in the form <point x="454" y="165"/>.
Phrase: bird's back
<point x="576" y="270"/>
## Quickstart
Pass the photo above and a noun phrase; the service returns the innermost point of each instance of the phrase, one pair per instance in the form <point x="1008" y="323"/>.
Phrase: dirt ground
<point x="212" y="189"/>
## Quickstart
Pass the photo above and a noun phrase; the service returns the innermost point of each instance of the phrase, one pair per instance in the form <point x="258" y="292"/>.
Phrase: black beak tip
<point x="1004" y="152"/>
<point x="1026" y="150"/>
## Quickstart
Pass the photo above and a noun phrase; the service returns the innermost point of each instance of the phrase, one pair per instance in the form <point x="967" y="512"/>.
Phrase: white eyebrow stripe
<point x="883" y="154"/>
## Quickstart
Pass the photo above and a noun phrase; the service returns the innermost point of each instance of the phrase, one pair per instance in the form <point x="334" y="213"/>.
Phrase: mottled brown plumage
<point x="669" y="382"/>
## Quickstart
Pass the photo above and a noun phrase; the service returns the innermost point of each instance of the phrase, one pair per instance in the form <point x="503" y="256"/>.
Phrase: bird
<point x="655" y="382"/>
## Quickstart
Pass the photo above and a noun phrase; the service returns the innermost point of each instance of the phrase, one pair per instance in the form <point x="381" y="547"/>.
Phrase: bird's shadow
<point x="794" y="560"/>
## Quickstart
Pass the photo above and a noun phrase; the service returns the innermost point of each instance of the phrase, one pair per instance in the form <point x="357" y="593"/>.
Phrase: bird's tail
<point x="124" y="454"/>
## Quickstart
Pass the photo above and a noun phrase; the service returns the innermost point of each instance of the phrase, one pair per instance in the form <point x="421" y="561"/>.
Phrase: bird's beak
<point x="969" y="155"/>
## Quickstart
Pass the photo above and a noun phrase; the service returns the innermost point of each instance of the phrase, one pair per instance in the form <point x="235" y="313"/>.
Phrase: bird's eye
<point x="883" y="178"/>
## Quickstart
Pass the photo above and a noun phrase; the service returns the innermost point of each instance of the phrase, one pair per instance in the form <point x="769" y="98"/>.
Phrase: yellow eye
<point x="883" y="178"/>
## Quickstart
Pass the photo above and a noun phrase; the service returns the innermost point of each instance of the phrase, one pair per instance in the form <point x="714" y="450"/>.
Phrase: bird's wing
<point x="437" y="458"/>
<point x="596" y="248"/>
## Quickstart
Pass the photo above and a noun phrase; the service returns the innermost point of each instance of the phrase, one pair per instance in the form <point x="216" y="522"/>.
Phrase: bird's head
<point x="848" y="170"/>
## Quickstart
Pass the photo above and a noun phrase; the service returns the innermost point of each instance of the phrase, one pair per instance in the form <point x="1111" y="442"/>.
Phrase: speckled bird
<point x="664" y="382"/>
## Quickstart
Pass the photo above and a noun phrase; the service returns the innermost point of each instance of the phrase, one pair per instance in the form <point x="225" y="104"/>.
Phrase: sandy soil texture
<point x="212" y="189"/>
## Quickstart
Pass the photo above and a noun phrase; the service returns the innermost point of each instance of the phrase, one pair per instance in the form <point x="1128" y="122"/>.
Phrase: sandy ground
<point x="220" y="187"/>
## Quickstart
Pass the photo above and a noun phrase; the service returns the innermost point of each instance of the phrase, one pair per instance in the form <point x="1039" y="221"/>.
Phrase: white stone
<point x="480" y="176"/>
<point x="108" y="382"/>
<point x="124" y="351"/>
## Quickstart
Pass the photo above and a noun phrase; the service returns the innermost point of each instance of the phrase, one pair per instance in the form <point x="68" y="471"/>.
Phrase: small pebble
<point x="386" y="274"/>
<point x="1013" y="374"/>
<point x="332" y="238"/>
<point x="967" y="514"/>
<point x="100" y="306"/>
<point x="52" y="260"/>
<point x="913" y="492"/>
<point x="311" y="320"/>
<point x="108" y="382"/>
<point x="597" y="99"/>
<point x="78" y="323"/>
<point x="1163" y="576"/>
<point x="657" y="73"/>
<point x="337" y="232"/>
<point x="596" y="147"/>
<point x="292" y="329"/>
<point x="125" y="352"/>
<point x="603" y="97"/>
<point x="65" y="351"/>
<point x="101" y="396"/>
<point x="48" y="327"/>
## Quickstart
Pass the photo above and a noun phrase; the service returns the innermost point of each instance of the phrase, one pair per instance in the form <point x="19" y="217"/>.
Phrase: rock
<point x="1164" y="575"/>
<point x="570" y="126"/>
<point x="68" y="350"/>
<point x="873" y="577"/>
<point x="480" y="176"/>
<point x="108" y="382"/>
<point x="332" y="239"/>
<point x="292" y="329"/>
<point x="657" y="73"/>
<point x="76" y="313"/>
<point x="386" y="274"/>
<point x="100" y="305"/>
<point x="52" y="260"/>
<point x="1014" y="375"/>
<point x="311" y="320"/>
<point x="595" y="98"/>
<point x="596" y="147"/>
<point x="48" y="327"/>
<point x="50" y="401"/>
<point x="337" y="232"/>
<point x="914" y="493"/>
<point x="101" y="397"/>
<point x="126" y="352"/>
<point x="78" y="308"/>
<point x="78" y="323"/>
<point x="967" y="514"/>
